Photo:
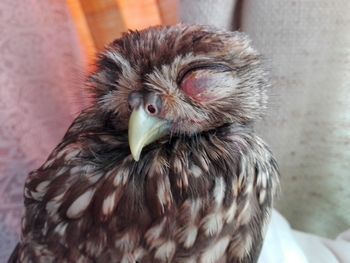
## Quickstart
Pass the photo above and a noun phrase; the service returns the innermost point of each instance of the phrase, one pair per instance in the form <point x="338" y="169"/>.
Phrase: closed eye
<point x="209" y="83"/>
<point x="215" y="67"/>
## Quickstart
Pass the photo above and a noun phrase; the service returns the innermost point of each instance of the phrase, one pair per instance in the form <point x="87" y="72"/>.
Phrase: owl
<point x="164" y="166"/>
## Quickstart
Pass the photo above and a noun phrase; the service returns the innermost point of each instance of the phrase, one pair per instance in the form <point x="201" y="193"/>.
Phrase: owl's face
<point x="179" y="80"/>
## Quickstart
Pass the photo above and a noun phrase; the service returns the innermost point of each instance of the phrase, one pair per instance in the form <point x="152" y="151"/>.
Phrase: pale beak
<point x="143" y="130"/>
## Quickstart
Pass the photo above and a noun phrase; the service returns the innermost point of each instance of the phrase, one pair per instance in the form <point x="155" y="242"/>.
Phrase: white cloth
<point x="285" y="245"/>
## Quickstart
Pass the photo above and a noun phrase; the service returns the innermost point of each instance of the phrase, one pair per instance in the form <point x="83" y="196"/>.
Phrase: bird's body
<point x="201" y="191"/>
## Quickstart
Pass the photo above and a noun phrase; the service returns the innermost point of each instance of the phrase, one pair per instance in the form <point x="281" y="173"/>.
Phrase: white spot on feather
<point x="195" y="207"/>
<point x="48" y="163"/>
<point x="109" y="204"/>
<point x="187" y="235"/>
<point x="75" y="170"/>
<point x="244" y="215"/>
<point x="161" y="193"/>
<point x="58" y="198"/>
<point x="61" y="171"/>
<point x="128" y="258"/>
<point x="248" y="189"/>
<point x="219" y="190"/>
<point x="53" y="205"/>
<point x="212" y="224"/>
<point x="61" y="153"/>
<point x="45" y="228"/>
<point x="166" y="251"/>
<point x="37" y="195"/>
<point x="71" y="154"/>
<point x="80" y="204"/>
<point x="61" y="229"/>
<point x="190" y="236"/>
<point x="139" y="253"/>
<point x="93" y="177"/>
<point x="154" y="233"/>
<point x="81" y="259"/>
<point x="196" y="171"/>
<point x="126" y="243"/>
<point x="22" y="256"/>
<point x="121" y="177"/>
<point x="262" y="196"/>
<point x="241" y="247"/>
<point x="215" y="252"/>
<point x="42" y="186"/>
<point x="230" y="214"/>
<point x="264" y="180"/>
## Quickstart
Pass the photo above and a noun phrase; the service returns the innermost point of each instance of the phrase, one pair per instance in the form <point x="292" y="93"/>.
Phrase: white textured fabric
<point x="280" y="245"/>
<point x="284" y="245"/>
<point x="219" y="13"/>
<point x="307" y="47"/>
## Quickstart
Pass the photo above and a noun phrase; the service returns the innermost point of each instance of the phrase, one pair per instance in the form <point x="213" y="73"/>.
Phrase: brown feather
<point x="203" y="193"/>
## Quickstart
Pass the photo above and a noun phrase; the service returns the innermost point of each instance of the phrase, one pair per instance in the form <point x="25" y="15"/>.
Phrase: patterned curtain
<point x="41" y="74"/>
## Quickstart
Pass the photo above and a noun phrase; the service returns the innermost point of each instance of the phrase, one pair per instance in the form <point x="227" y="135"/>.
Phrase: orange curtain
<point x="99" y="22"/>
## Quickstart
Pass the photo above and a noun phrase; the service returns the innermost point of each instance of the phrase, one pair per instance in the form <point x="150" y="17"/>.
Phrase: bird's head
<point x="179" y="80"/>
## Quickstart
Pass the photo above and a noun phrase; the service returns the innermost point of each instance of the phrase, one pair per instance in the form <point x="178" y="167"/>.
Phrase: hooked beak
<point x="143" y="130"/>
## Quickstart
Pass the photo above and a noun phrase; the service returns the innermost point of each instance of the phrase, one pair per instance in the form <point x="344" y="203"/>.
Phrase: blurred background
<point x="48" y="47"/>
